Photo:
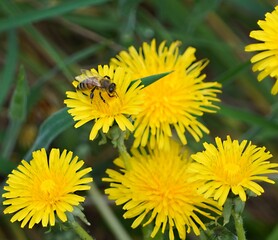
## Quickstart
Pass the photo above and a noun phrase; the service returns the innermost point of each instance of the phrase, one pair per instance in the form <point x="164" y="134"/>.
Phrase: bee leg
<point x="111" y="95"/>
<point x="102" y="97"/>
<point x="92" y="93"/>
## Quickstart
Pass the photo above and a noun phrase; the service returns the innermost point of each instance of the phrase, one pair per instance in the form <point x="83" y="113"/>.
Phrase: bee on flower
<point x="106" y="96"/>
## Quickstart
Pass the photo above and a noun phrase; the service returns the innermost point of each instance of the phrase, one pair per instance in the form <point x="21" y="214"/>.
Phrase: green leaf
<point x="223" y="234"/>
<point x="217" y="233"/>
<point x="238" y="205"/>
<point x="227" y="211"/>
<point x="18" y="106"/>
<point x="150" y="79"/>
<point x="50" y="129"/>
<point x="37" y="15"/>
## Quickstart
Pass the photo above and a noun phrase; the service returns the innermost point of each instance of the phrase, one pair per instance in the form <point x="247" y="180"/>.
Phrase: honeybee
<point x="97" y="82"/>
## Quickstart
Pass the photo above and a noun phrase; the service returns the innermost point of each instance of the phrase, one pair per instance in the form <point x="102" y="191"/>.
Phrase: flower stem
<point x="122" y="150"/>
<point x="80" y="231"/>
<point x="239" y="226"/>
<point x="112" y="221"/>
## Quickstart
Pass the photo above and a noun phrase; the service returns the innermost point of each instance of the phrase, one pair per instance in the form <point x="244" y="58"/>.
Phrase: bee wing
<point x="93" y="79"/>
<point x="84" y="71"/>
<point x="81" y="78"/>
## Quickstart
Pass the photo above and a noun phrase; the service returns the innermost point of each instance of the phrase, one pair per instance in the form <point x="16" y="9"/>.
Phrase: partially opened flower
<point x="232" y="167"/>
<point x="266" y="61"/>
<point x="174" y="101"/>
<point x="45" y="187"/>
<point x="102" y="107"/>
<point x="156" y="187"/>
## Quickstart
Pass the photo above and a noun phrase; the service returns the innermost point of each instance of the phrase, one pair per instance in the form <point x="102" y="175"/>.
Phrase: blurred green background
<point x="44" y="44"/>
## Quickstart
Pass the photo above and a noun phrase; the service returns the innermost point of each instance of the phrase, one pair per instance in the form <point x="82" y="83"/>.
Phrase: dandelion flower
<point x="105" y="109"/>
<point x="266" y="62"/>
<point x="231" y="166"/>
<point x="156" y="187"/>
<point x="174" y="101"/>
<point x="38" y="190"/>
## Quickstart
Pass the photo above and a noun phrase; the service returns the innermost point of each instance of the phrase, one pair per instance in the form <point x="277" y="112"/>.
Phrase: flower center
<point x="161" y="104"/>
<point x="232" y="173"/>
<point x="105" y="104"/>
<point x="48" y="186"/>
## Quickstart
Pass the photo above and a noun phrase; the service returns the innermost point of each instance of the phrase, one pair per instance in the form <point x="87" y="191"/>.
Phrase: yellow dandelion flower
<point x="157" y="187"/>
<point x="102" y="108"/>
<point x="266" y="62"/>
<point x="231" y="166"/>
<point x="174" y="101"/>
<point x="38" y="190"/>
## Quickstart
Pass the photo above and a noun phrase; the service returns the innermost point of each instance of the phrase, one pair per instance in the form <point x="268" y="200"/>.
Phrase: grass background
<point x="44" y="44"/>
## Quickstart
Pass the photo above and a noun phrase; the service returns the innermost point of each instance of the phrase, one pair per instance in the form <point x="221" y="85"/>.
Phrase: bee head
<point x="111" y="87"/>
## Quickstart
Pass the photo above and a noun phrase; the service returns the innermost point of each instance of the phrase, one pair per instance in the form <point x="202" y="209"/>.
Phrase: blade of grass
<point x="247" y="117"/>
<point x="262" y="133"/>
<point x="127" y="11"/>
<point x="112" y="221"/>
<point x="17" y="114"/>
<point x="37" y="15"/>
<point x="14" y="10"/>
<point x="37" y="37"/>
<point x="232" y="73"/>
<point x="50" y="129"/>
<point x="92" y="35"/>
<point x="7" y="77"/>
<point x="49" y="49"/>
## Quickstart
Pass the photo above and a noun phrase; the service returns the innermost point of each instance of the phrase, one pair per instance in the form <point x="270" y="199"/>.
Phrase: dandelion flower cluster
<point x="231" y="166"/>
<point x="126" y="103"/>
<point x="157" y="186"/>
<point x="174" y="101"/>
<point x="38" y="190"/>
<point x="266" y="62"/>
